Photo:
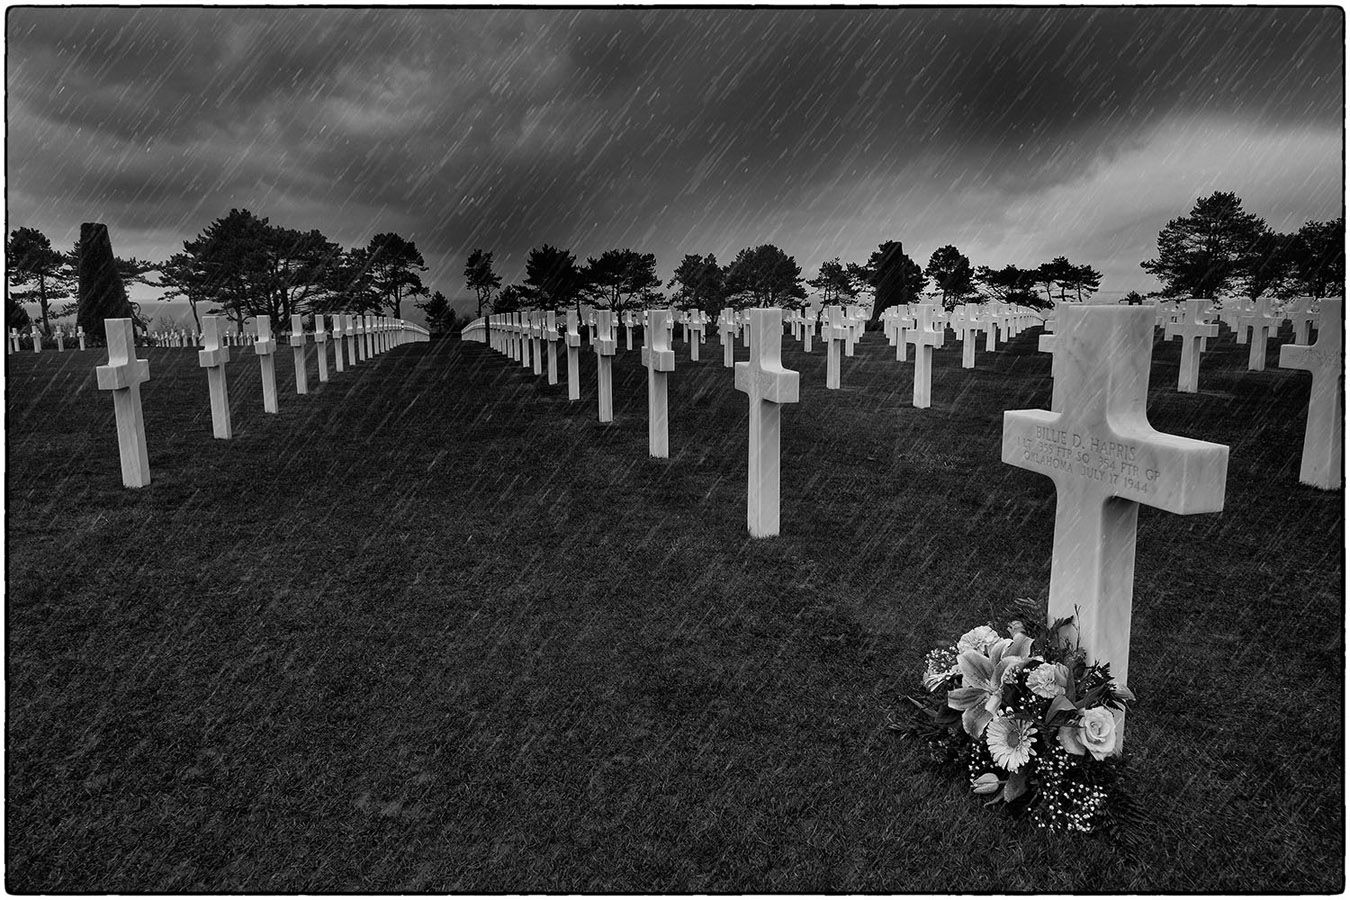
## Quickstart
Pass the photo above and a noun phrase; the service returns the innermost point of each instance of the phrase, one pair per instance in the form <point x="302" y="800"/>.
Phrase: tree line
<point x="767" y="276"/>
<point x="240" y="266"/>
<point x="1219" y="249"/>
<point x="243" y="266"/>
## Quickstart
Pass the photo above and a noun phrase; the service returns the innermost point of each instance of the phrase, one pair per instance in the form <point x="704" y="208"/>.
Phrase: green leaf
<point x="1016" y="787"/>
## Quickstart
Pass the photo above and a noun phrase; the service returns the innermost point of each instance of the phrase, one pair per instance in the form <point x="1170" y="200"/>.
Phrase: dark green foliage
<point x="952" y="275"/>
<point x="101" y="293"/>
<point x="36" y="272"/>
<point x="764" y="276"/>
<point x="621" y="279"/>
<point x="1012" y="284"/>
<point x="700" y="283"/>
<point x="440" y="317"/>
<point x="838" y="283"/>
<point x="552" y="281"/>
<point x="1201" y="254"/>
<point x="393" y="264"/>
<point x="16" y="317"/>
<point x="480" y="278"/>
<point x="1318" y="268"/>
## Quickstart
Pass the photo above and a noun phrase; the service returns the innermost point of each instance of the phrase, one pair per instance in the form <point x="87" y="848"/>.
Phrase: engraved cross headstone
<point x="1105" y="460"/>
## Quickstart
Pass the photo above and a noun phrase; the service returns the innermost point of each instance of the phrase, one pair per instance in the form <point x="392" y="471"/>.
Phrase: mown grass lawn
<point x="435" y="628"/>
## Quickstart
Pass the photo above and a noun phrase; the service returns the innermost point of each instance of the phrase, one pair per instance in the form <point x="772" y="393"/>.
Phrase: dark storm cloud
<point x="824" y="130"/>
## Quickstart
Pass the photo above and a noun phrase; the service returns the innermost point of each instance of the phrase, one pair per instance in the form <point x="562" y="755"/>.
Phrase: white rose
<point x="1095" y="733"/>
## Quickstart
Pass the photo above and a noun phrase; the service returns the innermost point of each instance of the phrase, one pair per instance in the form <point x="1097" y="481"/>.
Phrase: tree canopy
<point x="621" y="279"/>
<point x="700" y="282"/>
<point x="480" y="278"/>
<point x="1201" y="254"/>
<point x="37" y="270"/>
<point x="764" y="276"/>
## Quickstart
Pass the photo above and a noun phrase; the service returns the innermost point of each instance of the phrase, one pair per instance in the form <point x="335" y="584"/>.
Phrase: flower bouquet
<point x="1031" y="723"/>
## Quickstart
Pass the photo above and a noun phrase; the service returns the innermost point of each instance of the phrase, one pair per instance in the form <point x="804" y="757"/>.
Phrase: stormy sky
<point x="1015" y="134"/>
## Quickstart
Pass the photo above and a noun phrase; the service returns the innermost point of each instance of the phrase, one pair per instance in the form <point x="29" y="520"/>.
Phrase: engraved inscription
<point x="1112" y="463"/>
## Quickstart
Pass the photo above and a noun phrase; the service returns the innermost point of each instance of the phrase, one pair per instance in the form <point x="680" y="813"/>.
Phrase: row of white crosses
<point x="124" y="373"/>
<point x="1324" y="433"/>
<point x="15" y="338"/>
<point x="923" y="327"/>
<point x="763" y="379"/>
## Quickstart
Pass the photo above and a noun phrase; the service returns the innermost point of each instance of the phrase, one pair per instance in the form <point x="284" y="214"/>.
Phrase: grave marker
<point x="37" y="339"/>
<point x="726" y="329"/>
<point x="768" y="386"/>
<point x="1192" y="329"/>
<point x="551" y="334"/>
<point x="213" y="360"/>
<point x="924" y="337"/>
<point x="1300" y="316"/>
<point x="660" y="361"/>
<point x="573" y="351"/>
<point x="837" y="334"/>
<point x="264" y="347"/>
<point x="1105" y="460"/>
<point x="321" y="347"/>
<point x="604" y="345"/>
<point x="1046" y="344"/>
<point x="1262" y="323"/>
<point x="349" y="329"/>
<point x="1324" y="433"/>
<point x="338" y="342"/>
<point x="537" y="336"/>
<point x="123" y="375"/>
<point x="298" y="350"/>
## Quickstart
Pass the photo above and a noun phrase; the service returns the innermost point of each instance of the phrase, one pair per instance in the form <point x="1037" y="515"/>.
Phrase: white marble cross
<point x="659" y="360"/>
<point x="338" y="342"/>
<point x="837" y="333"/>
<point x="349" y="329"/>
<point x="696" y="338"/>
<point x="264" y="347"/>
<point x="14" y="340"/>
<point x="537" y="337"/>
<point x="969" y="326"/>
<point x="573" y="341"/>
<point x="213" y="359"/>
<point x="604" y="346"/>
<point x="900" y="326"/>
<point x="60" y="340"/>
<point x="1046" y="344"/>
<point x="1300" y="316"/>
<point x="37" y="339"/>
<point x="298" y="350"/>
<point x="628" y="319"/>
<point x="768" y="385"/>
<point x="1105" y="460"/>
<point x="808" y="330"/>
<point x="1192" y="328"/>
<point x="523" y="338"/>
<point x="726" y="329"/>
<point x="1263" y="324"/>
<point x="1324" y="433"/>
<point x="551" y="335"/>
<point x="924" y="337"/>
<point x="321" y="347"/>
<point x="123" y="375"/>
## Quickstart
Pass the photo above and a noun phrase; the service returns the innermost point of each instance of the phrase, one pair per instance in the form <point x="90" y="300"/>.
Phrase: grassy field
<point x="435" y="628"/>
